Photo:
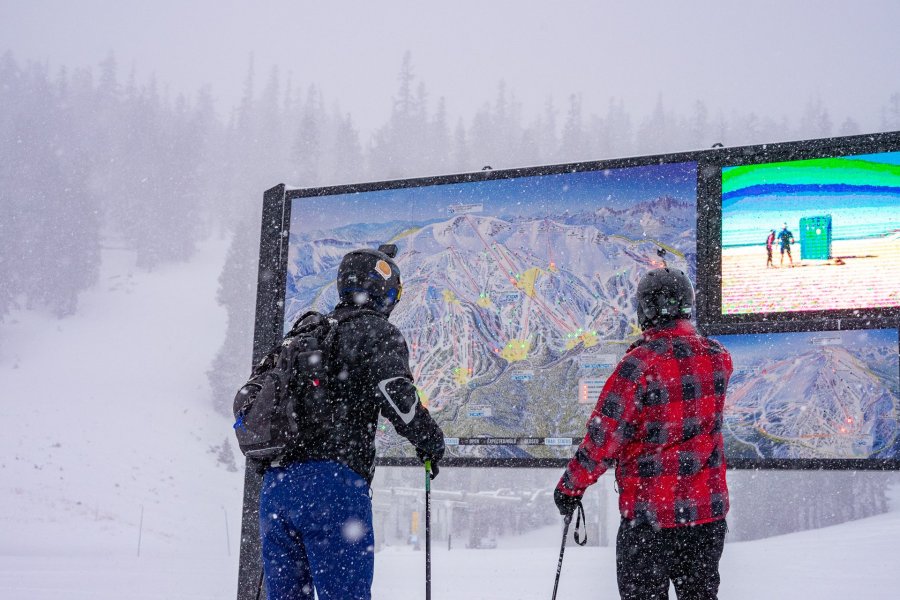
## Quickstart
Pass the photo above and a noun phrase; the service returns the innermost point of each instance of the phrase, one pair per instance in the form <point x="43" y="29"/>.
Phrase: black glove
<point x="565" y="503"/>
<point x="423" y="456"/>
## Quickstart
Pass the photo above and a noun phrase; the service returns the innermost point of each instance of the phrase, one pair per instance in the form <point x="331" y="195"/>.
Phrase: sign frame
<point x="272" y="271"/>
<point x="278" y="201"/>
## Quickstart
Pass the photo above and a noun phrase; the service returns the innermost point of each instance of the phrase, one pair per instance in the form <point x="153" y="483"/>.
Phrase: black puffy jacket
<point x="369" y="375"/>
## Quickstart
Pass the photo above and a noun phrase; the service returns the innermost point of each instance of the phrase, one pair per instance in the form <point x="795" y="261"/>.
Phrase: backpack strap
<point x="300" y="319"/>
<point x="269" y="359"/>
<point x="329" y="342"/>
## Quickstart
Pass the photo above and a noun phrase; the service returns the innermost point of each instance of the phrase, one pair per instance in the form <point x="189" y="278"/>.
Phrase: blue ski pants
<point x="315" y="521"/>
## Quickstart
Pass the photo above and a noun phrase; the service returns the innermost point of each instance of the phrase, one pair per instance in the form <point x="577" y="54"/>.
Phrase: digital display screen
<point x="518" y="294"/>
<point x="822" y="395"/>
<point x="811" y="235"/>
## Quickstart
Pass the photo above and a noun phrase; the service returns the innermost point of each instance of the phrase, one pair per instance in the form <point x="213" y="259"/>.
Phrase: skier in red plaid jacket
<point x="658" y="421"/>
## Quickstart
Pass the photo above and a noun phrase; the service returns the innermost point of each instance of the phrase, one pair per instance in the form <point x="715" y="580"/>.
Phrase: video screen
<point x="824" y="395"/>
<point x="518" y="294"/>
<point x="811" y="235"/>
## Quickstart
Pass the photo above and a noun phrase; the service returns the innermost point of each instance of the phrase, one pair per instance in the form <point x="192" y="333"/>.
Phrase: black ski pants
<point x="648" y="558"/>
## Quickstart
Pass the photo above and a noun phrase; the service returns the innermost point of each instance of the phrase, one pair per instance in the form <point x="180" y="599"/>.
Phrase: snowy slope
<point x="109" y="426"/>
<point x="107" y="414"/>
<point x="852" y="560"/>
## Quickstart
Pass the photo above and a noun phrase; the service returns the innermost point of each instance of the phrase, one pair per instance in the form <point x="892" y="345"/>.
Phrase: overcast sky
<point x="770" y="56"/>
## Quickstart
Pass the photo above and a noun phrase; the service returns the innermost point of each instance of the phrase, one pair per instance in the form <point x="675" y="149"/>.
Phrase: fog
<point x="149" y="131"/>
<point x="767" y="57"/>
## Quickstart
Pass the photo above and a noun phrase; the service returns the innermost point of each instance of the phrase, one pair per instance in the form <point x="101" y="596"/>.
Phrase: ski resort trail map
<point x="829" y="394"/>
<point x="517" y="293"/>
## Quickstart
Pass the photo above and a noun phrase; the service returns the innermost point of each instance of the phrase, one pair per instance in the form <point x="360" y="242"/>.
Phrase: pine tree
<point x="547" y="134"/>
<point x="460" y="153"/>
<point x="438" y="139"/>
<point x="720" y="129"/>
<point x="849" y="127"/>
<point x="619" y="129"/>
<point x="348" y="164"/>
<point x="815" y="122"/>
<point x="210" y="174"/>
<point x="529" y="151"/>
<point x="698" y="126"/>
<point x="51" y="225"/>
<point x="273" y="146"/>
<point x="482" y="139"/>
<point x="398" y="145"/>
<point x="10" y="99"/>
<point x="308" y="142"/>
<point x="573" y="145"/>
<point x="750" y="125"/>
<point x="237" y="291"/>
<point x="499" y="131"/>
<point x="654" y="134"/>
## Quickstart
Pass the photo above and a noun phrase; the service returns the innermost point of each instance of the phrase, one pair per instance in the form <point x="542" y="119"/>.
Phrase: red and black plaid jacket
<point x="658" y="420"/>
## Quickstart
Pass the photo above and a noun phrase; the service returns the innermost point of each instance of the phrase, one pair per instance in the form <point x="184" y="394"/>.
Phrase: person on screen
<point x="770" y="241"/>
<point x="786" y="238"/>
<point x="658" y="422"/>
<point x="315" y="508"/>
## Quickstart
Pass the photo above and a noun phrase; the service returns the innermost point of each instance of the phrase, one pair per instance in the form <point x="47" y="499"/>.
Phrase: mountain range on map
<point x="499" y="312"/>
<point x="314" y="256"/>
<point x="828" y="402"/>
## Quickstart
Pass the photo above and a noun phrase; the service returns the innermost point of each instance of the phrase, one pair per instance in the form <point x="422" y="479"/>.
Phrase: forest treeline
<point x="94" y="158"/>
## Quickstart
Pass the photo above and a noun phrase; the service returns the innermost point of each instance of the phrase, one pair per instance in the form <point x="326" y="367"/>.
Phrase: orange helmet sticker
<point x="383" y="269"/>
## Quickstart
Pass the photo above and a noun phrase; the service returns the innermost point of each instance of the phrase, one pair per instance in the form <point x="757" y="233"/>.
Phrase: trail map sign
<point x="519" y="296"/>
<point x="519" y="288"/>
<point x="517" y="292"/>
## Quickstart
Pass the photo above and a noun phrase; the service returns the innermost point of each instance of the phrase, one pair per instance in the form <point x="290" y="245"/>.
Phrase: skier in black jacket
<point x="315" y="507"/>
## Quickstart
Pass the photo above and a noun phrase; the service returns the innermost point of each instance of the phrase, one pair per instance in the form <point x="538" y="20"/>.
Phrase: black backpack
<point x="285" y="402"/>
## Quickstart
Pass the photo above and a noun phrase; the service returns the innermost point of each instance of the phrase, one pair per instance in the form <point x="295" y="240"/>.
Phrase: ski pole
<point x="427" y="530"/>
<point x="260" y="587"/>
<point x="562" y="551"/>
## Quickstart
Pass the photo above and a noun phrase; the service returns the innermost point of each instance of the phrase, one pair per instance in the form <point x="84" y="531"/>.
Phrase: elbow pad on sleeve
<point x="400" y="394"/>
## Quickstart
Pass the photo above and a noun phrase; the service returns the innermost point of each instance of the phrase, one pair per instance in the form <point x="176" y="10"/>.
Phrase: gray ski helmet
<point x="369" y="278"/>
<point x="664" y="295"/>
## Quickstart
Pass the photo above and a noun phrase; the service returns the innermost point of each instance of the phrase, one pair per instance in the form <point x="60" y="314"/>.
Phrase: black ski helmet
<point x="664" y="295"/>
<point x="370" y="278"/>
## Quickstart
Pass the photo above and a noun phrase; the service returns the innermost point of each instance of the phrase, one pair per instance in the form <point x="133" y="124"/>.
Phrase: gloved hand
<point x="423" y="456"/>
<point x="565" y="503"/>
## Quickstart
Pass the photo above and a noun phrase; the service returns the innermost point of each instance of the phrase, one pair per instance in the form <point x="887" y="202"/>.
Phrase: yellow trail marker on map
<point x="516" y="350"/>
<point x="450" y="297"/>
<point x="527" y="281"/>
<point x="403" y="234"/>
<point x="588" y="338"/>
<point x="635" y="331"/>
<point x="485" y="302"/>
<point x="461" y="376"/>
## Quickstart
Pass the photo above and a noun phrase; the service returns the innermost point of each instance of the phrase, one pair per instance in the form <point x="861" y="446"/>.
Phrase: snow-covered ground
<point x="852" y="560"/>
<point x="110" y="442"/>
<point x="107" y="440"/>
